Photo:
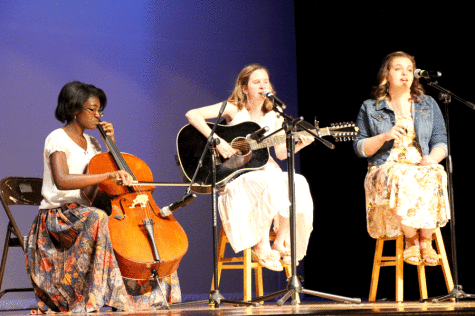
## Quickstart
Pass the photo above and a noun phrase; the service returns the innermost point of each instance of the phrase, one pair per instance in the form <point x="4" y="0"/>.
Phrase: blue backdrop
<point x="155" y="60"/>
<point x="158" y="59"/>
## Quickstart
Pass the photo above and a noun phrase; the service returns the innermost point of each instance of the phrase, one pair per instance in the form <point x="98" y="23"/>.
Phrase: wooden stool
<point x="397" y="261"/>
<point x="245" y="263"/>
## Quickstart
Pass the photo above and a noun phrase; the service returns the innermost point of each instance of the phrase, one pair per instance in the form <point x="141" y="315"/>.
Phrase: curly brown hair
<point x="381" y="90"/>
<point x="238" y="97"/>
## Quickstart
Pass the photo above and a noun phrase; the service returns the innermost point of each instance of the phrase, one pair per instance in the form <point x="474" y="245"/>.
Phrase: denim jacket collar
<point x="383" y="105"/>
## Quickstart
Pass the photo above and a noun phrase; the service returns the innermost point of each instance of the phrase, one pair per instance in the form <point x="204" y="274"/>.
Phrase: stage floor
<point x="306" y="308"/>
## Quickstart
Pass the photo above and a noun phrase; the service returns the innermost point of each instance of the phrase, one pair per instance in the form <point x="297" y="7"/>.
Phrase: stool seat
<point x="247" y="265"/>
<point x="398" y="262"/>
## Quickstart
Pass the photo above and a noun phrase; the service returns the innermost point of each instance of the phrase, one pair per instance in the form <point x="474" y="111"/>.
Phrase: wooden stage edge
<point x="305" y="308"/>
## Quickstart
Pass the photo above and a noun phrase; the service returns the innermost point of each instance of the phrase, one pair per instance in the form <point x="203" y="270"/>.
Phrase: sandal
<point x="269" y="260"/>
<point x="412" y="252"/>
<point x="428" y="253"/>
<point x="285" y="257"/>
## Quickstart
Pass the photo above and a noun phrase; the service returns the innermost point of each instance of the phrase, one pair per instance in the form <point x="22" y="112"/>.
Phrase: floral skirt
<point x="72" y="266"/>
<point x="413" y="195"/>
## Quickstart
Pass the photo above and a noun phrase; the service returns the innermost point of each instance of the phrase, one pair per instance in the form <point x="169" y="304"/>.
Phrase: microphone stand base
<point x="457" y="293"/>
<point x="294" y="287"/>
<point x="215" y="299"/>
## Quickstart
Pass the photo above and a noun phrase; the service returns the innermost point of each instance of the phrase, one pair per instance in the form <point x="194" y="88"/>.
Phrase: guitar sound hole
<point x="241" y="146"/>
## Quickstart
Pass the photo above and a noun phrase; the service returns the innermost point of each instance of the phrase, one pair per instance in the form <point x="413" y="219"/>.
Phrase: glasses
<point x="94" y="112"/>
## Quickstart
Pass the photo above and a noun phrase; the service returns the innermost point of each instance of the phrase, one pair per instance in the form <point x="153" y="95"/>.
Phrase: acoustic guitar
<point x="251" y="154"/>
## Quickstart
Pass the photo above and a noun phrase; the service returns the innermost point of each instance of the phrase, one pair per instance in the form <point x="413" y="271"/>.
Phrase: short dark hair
<point x="72" y="97"/>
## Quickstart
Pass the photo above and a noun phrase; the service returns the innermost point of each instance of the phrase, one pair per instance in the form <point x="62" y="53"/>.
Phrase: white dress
<point x="248" y="203"/>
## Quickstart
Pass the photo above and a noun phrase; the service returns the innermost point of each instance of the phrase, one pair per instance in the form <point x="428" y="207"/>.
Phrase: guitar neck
<point x="279" y="139"/>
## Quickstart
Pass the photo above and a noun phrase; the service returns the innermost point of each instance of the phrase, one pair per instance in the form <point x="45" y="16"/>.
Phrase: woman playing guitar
<point x="250" y="203"/>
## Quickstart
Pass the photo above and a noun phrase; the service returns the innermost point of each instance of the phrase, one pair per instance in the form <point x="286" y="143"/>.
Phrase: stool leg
<point x="399" y="269"/>
<point x="247" y="274"/>
<point x="221" y="247"/>
<point x="376" y="269"/>
<point x="258" y="281"/>
<point x="421" y="273"/>
<point x="444" y="262"/>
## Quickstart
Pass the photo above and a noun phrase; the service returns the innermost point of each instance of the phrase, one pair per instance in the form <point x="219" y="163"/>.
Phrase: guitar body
<point x="191" y="143"/>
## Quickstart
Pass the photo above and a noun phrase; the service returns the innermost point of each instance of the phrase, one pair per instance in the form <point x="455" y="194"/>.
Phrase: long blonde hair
<point x="381" y="90"/>
<point x="238" y="97"/>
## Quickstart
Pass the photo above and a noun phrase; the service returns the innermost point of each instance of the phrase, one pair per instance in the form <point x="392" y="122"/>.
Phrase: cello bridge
<point x="141" y="199"/>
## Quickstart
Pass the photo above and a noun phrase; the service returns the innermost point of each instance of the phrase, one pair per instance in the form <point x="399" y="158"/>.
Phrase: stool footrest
<point x="247" y="265"/>
<point x="397" y="261"/>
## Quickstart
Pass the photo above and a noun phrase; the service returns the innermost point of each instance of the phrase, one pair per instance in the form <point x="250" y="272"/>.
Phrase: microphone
<point x="257" y="134"/>
<point x="273" y="98"/>
<point x="418" y="73"/>
<point x="167" y="210"/>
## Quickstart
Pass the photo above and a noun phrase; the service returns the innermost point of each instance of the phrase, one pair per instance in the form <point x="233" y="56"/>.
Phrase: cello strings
<point x="122" y="165"/>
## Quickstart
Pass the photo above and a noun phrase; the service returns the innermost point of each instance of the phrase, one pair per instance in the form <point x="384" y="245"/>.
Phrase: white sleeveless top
<point x="268" y="119"/>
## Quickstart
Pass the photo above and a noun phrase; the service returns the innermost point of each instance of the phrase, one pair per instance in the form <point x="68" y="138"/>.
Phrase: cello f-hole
<point x="122" y="210"/>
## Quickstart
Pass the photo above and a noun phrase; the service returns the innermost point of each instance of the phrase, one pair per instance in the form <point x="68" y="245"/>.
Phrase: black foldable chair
<point x="17" y="191"/>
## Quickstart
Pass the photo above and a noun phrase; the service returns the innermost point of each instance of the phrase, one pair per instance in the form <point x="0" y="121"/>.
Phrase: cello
<point x="146" y="245"/>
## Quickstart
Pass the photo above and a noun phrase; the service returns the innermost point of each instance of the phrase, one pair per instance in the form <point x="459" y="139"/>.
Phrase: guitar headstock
<point x="343" y="132"/>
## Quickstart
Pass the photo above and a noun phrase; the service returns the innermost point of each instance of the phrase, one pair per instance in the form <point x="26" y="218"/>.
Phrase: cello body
<point x="134" y="245"/>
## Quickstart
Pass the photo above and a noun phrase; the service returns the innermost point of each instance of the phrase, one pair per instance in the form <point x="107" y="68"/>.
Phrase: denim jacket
<point x="374" y="119"/>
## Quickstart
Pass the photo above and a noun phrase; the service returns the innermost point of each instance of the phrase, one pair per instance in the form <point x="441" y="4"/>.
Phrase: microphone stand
<point x="294" y="285"/>
<point x="457" y="293"/>
<point x="215" y="297"/>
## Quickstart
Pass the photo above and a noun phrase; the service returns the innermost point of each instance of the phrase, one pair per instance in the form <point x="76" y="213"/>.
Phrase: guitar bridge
<point x="217" y="157"/>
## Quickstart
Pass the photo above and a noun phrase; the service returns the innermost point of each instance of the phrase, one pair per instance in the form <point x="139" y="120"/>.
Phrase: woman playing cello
<point x="69" y="255"/>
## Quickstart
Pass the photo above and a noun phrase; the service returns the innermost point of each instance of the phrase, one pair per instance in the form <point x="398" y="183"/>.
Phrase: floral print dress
<point x="72" y="266"/>
<point x="402" y="191"/>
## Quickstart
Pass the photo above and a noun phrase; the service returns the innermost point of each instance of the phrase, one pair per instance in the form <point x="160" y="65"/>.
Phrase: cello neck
<point x="114" y="151"/>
